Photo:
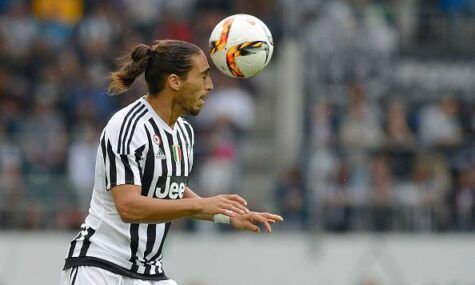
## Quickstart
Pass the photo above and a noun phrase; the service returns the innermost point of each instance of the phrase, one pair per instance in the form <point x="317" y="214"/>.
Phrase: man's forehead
<point x="200" y="62"/>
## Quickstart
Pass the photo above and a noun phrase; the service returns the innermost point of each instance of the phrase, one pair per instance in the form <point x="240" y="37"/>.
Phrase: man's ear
<point x="174" y="81"/>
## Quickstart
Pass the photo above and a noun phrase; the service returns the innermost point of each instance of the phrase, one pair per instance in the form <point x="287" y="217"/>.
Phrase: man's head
<point x="174" y="66"/>
<point x="191" y="91"/>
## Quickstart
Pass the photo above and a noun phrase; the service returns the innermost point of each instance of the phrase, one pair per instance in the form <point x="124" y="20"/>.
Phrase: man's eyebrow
<point x="206" y="70"/>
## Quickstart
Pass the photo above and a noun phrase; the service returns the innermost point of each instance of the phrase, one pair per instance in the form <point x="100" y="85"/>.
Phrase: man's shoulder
<point x="129" y="115"/>
<point x="125" y="128"/>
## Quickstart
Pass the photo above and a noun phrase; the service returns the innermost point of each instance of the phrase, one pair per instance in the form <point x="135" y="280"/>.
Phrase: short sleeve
<point x="124" y="146"/>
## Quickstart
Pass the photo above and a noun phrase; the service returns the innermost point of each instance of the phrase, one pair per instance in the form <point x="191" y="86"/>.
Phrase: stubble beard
<point x="194" y="112"/>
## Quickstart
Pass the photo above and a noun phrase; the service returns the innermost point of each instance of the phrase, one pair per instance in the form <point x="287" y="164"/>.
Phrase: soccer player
<point x="143" y="163"/>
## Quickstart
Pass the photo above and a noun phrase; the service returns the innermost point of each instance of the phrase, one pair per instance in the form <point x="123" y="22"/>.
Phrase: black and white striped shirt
<point x="136" y="147"/>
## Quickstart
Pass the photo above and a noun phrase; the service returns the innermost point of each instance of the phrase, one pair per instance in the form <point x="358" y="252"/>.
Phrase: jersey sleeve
<point x="125" y="146"/>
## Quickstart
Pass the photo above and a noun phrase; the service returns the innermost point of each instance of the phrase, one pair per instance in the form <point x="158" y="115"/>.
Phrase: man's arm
<point x="247" y="221"/>
<point x="191" y="194"/>
<point x="135" y="208"/>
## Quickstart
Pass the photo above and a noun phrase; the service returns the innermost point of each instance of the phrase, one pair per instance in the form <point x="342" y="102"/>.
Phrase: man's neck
<point x="163" y="105"/>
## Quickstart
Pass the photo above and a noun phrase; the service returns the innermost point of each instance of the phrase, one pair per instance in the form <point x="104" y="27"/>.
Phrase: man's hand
<point x="224" y="204"/>
<point x="250" y="221"/>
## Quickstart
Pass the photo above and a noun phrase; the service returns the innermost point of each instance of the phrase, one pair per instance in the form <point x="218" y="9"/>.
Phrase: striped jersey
<point x="136" y="147"/>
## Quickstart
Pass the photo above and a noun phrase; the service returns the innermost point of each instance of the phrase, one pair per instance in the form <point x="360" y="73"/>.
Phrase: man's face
<point x="196" y="87"/>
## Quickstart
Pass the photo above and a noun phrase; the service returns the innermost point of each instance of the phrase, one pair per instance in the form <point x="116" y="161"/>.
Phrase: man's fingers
<point x="267" y="226"/>
<point x="273" y="217"/>
<point x="253" y="228"/>
<point x="258" y="218"/>
<point x="237" y="198"/>
<point x="233" y="208"/>
<point x="240" y="206"/>
<point x="262" y="220"/>
<point x="233" y="205"/>
<point x="230" y="213"/>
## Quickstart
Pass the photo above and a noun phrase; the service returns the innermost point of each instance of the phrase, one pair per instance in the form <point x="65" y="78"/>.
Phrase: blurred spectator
<point x="143" y="14"/>
<point x="398" y="133"/>
<point x="81" y="163"/>
<point x="360" y="127"/>
<point x="382" y="196"/>
<point x="291" y="194"/>
<point x="467" y="119"/>
<point x="347" y="196"/>
<point x="439" y="125"/>
<point x="10" y="116"/>
<point x="97" y="32"/>
<point x="217" y="172"/>
<point x="174" y="26"/>
<point x="322" y="166"/>
<point x="424" y="197"/>
<point x="465" y="200"/>
<point x="323" y="162"/>
<point x="322" y="124"/>
<point x="18" y="30"/>
<point x="45" y="149"/>
<point x="65" y="11"/>
<point x="12" y="188"/>
<point x="338" y="205"/>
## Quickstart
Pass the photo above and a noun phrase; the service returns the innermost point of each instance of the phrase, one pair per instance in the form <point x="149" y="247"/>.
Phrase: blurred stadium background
<point x="360" y="133"/>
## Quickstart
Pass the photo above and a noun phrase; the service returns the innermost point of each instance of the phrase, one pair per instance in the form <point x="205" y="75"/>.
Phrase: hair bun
<point x="140" y="52"/>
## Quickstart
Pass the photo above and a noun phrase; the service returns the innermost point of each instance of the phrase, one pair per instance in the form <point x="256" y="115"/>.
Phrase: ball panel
<point x="219" y="60"/>
<point x="220" y="35"/>
<point x="251" y="57"/>
<point x="255" y="63"/>
<point x="246" y="29"/>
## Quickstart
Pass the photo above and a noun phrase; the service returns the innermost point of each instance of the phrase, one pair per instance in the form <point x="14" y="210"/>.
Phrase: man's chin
<point x="195" y="112"/>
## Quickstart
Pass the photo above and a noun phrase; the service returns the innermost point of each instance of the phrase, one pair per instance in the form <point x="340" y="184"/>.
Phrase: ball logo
<point x="172" y="189"/>
<point x="251" y="21"/>
<point x="156" y="139"/>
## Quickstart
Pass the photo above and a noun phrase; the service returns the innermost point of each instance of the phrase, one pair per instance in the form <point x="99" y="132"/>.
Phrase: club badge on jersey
<point x="177" y="153"/>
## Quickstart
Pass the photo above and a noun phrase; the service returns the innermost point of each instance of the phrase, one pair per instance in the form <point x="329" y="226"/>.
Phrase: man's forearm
<point x="202" y="217"/>
<point x="191" y="194"/>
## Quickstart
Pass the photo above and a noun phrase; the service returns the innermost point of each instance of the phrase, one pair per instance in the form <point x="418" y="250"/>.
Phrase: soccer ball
<point x="241" y="46"/>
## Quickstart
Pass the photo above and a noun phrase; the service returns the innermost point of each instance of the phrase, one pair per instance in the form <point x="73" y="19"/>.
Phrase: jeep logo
<point x="173" y="189"/>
